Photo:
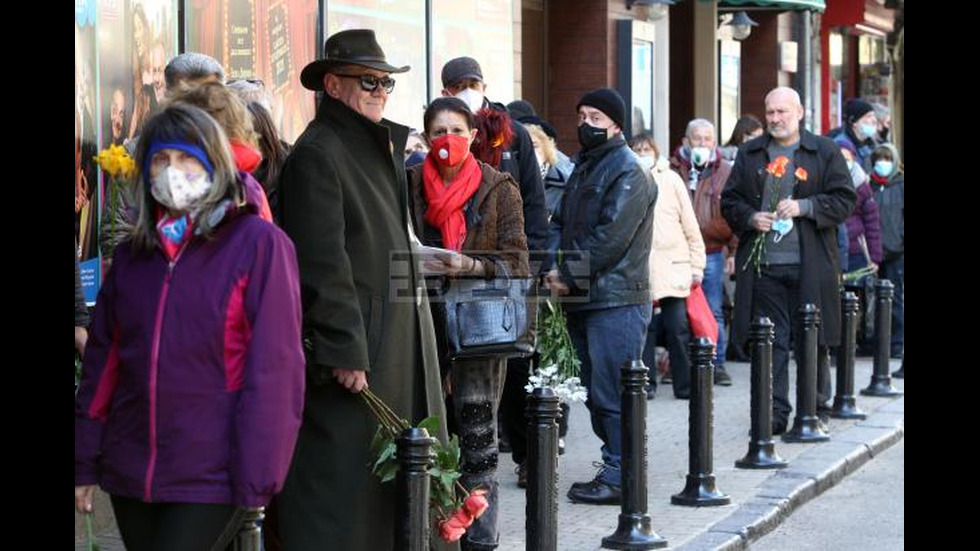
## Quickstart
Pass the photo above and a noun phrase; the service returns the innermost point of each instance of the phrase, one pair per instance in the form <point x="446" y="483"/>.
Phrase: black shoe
<point x="778" y="426"/>
<point x="595" y="492"/>
<point x="503" y="443"/>
<point x="521" y="471"/>
<point x="900" y="374"/>
<point x="666" y="379"/>
<point x="722" y="378"/>
<point x="598" y="465"/>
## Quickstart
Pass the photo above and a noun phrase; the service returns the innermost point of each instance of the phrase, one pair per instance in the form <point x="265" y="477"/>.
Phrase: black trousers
<point x="168" y="526"/>
<point x="513" y="404"/>
<point x="671" y="330"/>
<point x="777" y="296"/>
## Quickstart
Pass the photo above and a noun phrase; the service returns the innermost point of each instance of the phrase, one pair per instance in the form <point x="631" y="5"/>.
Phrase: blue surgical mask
<point x="884" y="168"/>
<point x="869" y="130"/>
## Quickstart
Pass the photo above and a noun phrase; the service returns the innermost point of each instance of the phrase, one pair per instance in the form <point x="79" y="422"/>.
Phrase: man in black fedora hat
<point x="343" y="200"/>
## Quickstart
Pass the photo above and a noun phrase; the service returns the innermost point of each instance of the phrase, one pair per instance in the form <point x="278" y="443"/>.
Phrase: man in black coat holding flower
<point x="796" y="211"/>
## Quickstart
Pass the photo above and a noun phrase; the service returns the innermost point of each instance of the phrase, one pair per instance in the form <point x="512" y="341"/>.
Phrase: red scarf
<point x="446" y="203"/>
<point x="880" y="180"/>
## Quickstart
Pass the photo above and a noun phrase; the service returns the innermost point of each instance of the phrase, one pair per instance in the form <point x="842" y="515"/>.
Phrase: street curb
<point x="812" y="473"/>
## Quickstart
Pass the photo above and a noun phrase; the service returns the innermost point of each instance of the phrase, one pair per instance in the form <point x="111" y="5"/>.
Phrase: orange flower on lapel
<point x="778" y="166"/>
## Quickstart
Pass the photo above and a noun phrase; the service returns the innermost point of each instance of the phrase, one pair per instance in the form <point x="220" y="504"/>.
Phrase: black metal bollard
<point x="881" y="381"/>
<point x="700" y="490"/>
<point x="806" y="425"/>
<point x="249" y="536"/>
<point x="634" y="530"/>
<point x="845" y="406"/>
<point x="762" y="453"/>
<point x="541" y="510"/>
<point x="412" y="483"/>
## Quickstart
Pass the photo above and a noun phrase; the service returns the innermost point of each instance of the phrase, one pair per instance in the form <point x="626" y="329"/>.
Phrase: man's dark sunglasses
<point x="370" y="83"/>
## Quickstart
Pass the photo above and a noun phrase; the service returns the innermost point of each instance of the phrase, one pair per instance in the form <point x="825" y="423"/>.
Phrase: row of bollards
<point x="762" y="452"/>
<point x="881" y="381"/>
<point x="700" y="490"/>
<point x="634" y="529"/>
<point x="845" y="405"/>
<point x="806" y="425"/>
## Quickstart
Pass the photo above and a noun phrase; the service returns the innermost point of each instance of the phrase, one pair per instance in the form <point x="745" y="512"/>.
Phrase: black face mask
<point x="590" y="136"/>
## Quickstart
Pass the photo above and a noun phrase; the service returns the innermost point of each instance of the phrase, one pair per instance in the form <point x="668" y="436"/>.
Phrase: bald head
<point x="783" y="114"/>
<point x="785" y="94"/>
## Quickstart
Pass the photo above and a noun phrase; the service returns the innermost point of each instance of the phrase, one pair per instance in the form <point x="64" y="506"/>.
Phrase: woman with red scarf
<point x="465" y="206"/>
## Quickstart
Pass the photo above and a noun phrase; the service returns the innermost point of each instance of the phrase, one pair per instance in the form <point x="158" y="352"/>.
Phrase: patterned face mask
<point x="177" y="190"/>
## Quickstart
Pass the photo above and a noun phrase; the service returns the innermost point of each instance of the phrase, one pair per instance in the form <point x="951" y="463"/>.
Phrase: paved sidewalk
<point x="760" y="499"/>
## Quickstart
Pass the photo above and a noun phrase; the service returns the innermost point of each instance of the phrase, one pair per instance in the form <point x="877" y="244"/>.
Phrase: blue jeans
<point x="714" y="289"/>
<point x="604" y="340"/>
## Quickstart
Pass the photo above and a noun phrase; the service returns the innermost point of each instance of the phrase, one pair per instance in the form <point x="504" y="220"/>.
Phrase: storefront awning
<point x="813" y="5"/>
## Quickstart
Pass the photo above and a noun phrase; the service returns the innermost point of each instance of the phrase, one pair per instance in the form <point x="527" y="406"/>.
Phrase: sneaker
<point x="722" y="378"/>
<point x="666" y="379"/>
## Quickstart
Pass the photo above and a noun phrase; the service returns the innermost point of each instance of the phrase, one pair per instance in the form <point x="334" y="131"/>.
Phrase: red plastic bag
<point x="699" y="315"/>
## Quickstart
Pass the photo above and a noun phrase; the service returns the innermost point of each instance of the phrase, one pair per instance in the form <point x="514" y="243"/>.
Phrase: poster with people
<point x="267" y="41"/>
<point x="149" y="40"/>
<point x="86" y="146"/>
<point x="121" y="50"/>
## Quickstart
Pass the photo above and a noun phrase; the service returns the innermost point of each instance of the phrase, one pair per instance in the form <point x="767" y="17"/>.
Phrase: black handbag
<point x="490" y="318"/>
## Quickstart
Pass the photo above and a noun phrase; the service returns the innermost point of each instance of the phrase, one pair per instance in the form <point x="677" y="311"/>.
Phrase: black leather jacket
<point x="607" y="215"/>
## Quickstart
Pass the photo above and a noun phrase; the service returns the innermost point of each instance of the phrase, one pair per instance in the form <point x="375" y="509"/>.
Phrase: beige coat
<point x="677" y="253"/>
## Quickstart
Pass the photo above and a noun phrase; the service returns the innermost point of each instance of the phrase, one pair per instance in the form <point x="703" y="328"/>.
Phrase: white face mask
<point x="700" y="156"/>
<point x="647" y="162"/>
<point x="178" y="190"/>
<point x="472" y="98"/>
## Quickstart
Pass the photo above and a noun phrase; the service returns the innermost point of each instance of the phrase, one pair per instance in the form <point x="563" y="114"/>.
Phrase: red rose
<point x="463" y="517"/>
<point x="452" y="529"/>
<point x="476" y="504"/>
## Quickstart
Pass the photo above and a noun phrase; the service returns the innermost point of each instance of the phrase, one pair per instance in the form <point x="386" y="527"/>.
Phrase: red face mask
<point x="450" y="150"/>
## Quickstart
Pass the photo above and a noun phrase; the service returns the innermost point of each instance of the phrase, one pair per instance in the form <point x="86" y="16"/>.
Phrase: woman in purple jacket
<point x="192" y="387"/>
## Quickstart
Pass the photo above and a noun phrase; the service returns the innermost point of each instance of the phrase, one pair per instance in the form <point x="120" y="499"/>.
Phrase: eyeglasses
<point x="370" y="83"/>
